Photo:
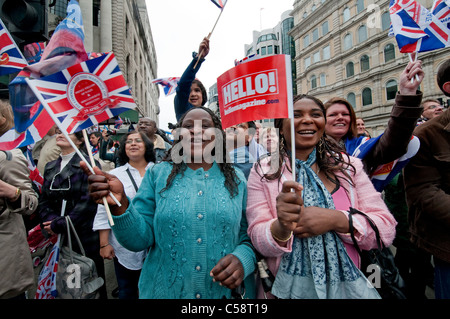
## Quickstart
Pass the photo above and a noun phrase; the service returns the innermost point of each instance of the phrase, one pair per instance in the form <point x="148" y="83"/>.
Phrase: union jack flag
<point x="85" y="94"/>
<point x="169" y="84"/>
<point x="416" y="29"/>
<point x="220" y="3"/>
<point x="441" y="9"/>
<point x="65" y="48"/>
<point x="11" y="59"/>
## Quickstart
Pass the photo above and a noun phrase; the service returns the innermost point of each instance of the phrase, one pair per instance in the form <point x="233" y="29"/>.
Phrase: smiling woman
<point x="305" y="227"/>
<point x="190" y="217"/>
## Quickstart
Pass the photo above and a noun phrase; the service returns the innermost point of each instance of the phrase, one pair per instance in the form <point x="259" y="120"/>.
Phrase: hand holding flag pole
<point x="91" y="157"/>
<point x="221" y="5"/>
<point x="413" y="60"/>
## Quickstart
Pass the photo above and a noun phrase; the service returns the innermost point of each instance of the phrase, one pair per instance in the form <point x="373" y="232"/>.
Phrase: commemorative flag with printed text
<point x="11" y="59"/>
<point x="85" y="94"/>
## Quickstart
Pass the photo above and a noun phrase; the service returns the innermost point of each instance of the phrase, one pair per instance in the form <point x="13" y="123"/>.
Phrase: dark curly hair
<point x="231" y="180"/>
<point x="149" y="150"/>
<point x="331" y="158"/>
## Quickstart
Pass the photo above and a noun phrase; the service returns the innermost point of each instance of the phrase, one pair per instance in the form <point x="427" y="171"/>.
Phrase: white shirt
<point x="129" y="259"/>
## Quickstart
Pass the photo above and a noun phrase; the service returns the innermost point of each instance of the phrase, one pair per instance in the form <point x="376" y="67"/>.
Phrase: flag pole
<point x="209" y="35"/>
<point x="64" y="132"/>
<point x="293" y="148"/>
<point x="411" y="60"/>
<point x="91" y="157"/>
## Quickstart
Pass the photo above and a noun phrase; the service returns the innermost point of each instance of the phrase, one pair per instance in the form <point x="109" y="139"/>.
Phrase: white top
<point x="129" y="259"/>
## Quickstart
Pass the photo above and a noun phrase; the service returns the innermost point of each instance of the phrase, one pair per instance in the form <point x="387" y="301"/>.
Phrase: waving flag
<point x="416" y="29"/>
<point x="11" y="59"/>
<point x="35" y="175"/>
<point x="441" y="9"/>
<point x="33" y="52"/>
<point x="384" y="173"/>
<point x="118" y="123"/>
<point x="46" y="285"/>
<point x="220" y="3"/>
<point x="85" y="94"/>
<point x="169" y="84"/>
<point x="65" y="48"/>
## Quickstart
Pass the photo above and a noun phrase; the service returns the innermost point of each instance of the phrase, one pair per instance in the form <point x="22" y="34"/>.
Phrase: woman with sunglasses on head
<point x="135" y="159"/>
<point x="64" y="180"/>
<point x="189" y="213"/>
<point x="300" y="223"/>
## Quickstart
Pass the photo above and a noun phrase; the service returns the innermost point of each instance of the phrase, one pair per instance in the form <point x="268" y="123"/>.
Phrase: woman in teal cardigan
<point x="190" y="213"/>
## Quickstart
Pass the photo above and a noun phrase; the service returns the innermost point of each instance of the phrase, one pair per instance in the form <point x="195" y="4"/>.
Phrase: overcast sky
<point x="178" y="27"/>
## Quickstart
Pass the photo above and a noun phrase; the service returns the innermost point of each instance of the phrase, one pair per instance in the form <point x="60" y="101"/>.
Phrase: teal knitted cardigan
<point x="187" y="229"/>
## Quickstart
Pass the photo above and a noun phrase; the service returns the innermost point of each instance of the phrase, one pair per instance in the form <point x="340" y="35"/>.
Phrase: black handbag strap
<point x="132" y="179"/>
<point x="372" y="224"/>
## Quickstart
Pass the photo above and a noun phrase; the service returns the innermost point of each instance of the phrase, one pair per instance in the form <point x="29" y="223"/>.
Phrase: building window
<point x="351" y="98"/>
<point x="316" y="57"/>
<point x="348" y="43"/>
<point x="325" y="28"/>
<point x="367" y="96"/>
<point x="307" y="62"/>
<point x="263" y="51"/>
<point x="270" y="49"/>
<point x="385" y="21"/>
<point x="365" y="63"/>
<point x="313" y="82"/>
<point x="346" y="14"/>
<point x="350" y="69"/>
<point x="326" y="53"/>
<point x="323" y="79"/>
<point x="306" y="41"/>
<point x="315" y="35"/>
<point x="362" y="34"/>
<point x="359" y="6"/>
<point x="391" y="89"/>
<point x="389" y="52"/>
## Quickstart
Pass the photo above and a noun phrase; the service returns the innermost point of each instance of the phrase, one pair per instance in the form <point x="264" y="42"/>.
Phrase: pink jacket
<point x="261" y="213"/>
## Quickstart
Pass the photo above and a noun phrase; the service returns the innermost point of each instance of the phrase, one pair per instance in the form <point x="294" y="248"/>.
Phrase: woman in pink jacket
<point x="301" y="227"/>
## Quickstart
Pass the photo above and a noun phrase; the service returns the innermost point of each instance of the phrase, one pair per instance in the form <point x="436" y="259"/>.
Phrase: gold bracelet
<point x="16" y="197"/>
<point x="279" y="239"/>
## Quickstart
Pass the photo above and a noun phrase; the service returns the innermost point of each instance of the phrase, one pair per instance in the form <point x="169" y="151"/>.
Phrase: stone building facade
<point x="343" y="49"/>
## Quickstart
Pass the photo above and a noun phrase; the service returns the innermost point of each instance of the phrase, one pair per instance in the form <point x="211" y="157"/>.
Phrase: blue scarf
<point x="319" y="267"/>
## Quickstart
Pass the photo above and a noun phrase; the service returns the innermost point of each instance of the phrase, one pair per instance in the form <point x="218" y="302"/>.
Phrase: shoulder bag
<point x="77" y="276"/>
<point x="390" y="283"/>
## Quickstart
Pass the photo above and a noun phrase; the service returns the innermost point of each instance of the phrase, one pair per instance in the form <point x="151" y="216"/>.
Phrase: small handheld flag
<point x="11" y="59"/>
<point x="169" y="84"/>
<point x="220" y="3"/>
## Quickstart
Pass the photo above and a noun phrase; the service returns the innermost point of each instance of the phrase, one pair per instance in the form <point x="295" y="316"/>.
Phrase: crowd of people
<point x="193" y="217"/>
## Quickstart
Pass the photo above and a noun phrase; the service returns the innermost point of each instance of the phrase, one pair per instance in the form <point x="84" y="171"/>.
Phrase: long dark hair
<point x="330" y="156"/>
<point x="231" y="180"/>
<point x="149" y="154"/>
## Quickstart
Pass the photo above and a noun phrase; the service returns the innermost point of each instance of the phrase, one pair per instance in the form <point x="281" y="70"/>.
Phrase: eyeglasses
<point x="136" y="140"/>
<point x="59" y="189"/>
<point x="432" y="107"/>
